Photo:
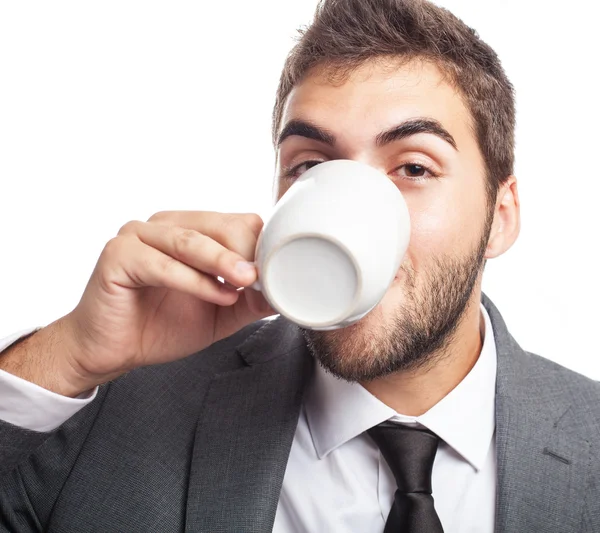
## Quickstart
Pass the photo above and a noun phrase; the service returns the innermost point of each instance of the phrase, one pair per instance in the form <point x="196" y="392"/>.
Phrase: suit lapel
<point x="245" y="432"/>
<point x="540" y="463"/>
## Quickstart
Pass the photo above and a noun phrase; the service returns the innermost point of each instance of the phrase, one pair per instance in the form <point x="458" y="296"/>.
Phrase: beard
<point x="420" y="329"/>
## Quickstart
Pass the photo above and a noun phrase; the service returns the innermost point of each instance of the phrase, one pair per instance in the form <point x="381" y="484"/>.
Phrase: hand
<point x="154" y="297"/>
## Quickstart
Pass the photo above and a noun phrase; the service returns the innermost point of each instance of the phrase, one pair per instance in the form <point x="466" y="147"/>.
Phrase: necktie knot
<point x="410" y="453"/>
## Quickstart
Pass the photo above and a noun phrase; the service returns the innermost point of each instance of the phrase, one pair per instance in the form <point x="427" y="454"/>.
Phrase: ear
<point x="507" y="220"/>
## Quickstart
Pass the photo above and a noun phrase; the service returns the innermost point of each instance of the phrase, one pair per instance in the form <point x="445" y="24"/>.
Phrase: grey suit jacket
<point x="202" y="444"/>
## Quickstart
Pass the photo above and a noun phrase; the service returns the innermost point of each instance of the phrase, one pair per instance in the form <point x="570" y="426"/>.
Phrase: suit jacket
<point x="202" y="444"/>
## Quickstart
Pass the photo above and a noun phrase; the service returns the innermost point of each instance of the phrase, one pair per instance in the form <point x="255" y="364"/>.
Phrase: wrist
<point x="47" y="359"/>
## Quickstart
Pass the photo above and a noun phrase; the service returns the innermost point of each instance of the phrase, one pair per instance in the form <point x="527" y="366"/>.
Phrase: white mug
<point x="332" y="245"/>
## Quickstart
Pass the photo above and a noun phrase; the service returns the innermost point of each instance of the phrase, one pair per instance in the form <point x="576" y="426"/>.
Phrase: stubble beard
<point x="419" y="332"/>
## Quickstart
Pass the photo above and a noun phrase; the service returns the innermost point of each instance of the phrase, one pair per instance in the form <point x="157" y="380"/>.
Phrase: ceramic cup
<point x="332" y="245"/>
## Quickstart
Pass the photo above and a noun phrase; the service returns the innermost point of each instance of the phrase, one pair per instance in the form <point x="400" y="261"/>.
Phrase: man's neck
<point x="413" y="393"/>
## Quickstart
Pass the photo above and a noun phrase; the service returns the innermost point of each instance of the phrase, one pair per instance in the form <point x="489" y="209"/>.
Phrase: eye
<point x="298" y="170"/>
<point x="415" y="172"/>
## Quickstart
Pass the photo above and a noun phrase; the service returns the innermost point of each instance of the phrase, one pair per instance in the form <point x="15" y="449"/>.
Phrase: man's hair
<point x="344" y="34"/>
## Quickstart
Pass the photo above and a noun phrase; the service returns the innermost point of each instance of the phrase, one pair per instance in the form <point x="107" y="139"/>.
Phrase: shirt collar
<point x="338" y="411"/>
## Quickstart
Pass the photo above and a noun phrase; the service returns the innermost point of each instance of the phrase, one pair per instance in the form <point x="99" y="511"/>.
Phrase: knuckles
<point x="254" y="222"/>
<point x="236" y="231"/>
<point x="185" y="241"/>
<point x="130" y="227"/>
<point x="117" y="246"/>
<point x="235" y="227"/>
<point x="167" y="265"/>
<point x="161" y="216"/>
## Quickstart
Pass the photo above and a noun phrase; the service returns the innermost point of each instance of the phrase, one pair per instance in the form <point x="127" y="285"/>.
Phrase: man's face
<point x="412" y="125"/>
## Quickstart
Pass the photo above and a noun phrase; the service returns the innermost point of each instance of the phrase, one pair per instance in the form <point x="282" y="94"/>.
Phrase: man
<point x="425" y="416"/>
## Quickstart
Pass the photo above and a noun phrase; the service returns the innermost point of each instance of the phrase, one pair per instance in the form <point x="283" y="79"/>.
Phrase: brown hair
<point x="346" y="33"/>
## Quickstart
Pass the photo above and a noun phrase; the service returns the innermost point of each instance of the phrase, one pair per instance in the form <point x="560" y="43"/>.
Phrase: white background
<point x="111" y="111"/>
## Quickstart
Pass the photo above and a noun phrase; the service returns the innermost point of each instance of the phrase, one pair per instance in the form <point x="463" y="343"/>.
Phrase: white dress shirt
<point x="336" y="479"/>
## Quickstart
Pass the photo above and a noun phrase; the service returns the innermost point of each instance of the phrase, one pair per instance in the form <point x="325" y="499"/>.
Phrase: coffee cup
<point x="332" y="245"/>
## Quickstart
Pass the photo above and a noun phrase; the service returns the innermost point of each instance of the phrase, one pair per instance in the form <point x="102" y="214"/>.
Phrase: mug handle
<point x="256" y="286"/>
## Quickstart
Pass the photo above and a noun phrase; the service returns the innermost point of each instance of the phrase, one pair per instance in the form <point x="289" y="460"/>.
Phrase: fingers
<point x="129" y="262"/>
<point x="257" y="303"/>
<point x="196" y="250"/>
<point x="237" y="232"/>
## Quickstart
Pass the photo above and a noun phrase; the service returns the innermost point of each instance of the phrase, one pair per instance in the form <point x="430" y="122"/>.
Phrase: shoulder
<point x="563" y="377"/>
<point x="183" y="380"/>
<point x="542" y="388"/>
<point x="169" y="393"/>
<point x="558" y="385"/>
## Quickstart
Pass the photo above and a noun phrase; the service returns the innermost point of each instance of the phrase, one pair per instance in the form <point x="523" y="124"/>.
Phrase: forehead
<point x="377" y="95"/>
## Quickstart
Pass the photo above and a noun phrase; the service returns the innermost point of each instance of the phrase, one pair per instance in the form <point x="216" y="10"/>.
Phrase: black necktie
<point x="409" y="452"/>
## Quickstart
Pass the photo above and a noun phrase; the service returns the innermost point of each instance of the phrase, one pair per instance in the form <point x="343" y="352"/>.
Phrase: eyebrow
<point x="308" y="130"/>
<point x="414" y="126"/>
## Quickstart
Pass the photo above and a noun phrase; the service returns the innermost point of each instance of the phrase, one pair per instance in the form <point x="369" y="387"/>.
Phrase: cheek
<point x="442" y="224"/>
<point x="431" y="234"/>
